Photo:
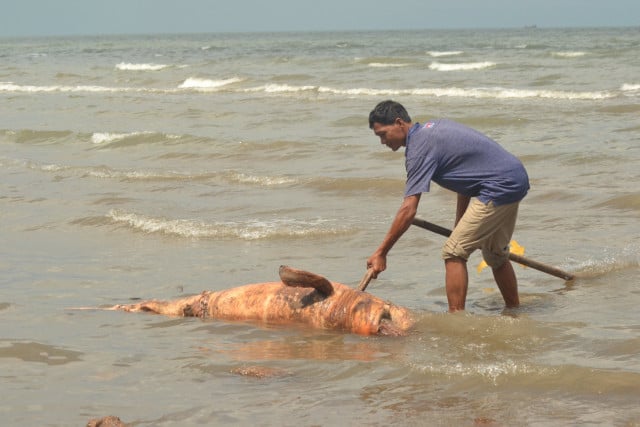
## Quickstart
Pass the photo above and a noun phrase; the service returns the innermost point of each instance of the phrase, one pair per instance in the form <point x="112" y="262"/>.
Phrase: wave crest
<point x="466" y="66"/>
<point x="247" y="230"/>
<point x="108" y="137"/>
<point x="438" y="53"/>
<point x="387" y="65"/>
<point x="576" y="54"/>
<point x="127" y="66"/>
<point x="204" y="84"/>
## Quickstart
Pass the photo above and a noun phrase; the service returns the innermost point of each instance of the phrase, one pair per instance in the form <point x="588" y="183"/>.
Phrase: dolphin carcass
<point x="300" y="297"/>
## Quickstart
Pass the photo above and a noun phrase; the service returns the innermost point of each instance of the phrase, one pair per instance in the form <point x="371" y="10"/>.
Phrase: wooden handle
<point x="365" y="280"/>
<point x="554" y="271"/>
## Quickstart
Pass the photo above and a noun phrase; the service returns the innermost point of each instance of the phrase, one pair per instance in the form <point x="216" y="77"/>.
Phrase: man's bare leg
<point x="508" y="284"/>
<point x="456" y="283"/>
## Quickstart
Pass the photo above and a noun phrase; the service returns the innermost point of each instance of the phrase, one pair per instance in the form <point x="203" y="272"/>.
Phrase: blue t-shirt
<point x="463" y="160"/>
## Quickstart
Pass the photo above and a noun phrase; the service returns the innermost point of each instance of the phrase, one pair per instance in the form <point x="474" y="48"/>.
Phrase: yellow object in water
<point x="514" y="247"/>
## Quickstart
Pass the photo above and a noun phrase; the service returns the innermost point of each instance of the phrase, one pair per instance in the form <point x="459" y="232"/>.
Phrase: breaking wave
<point x="204" y="85"/>
<point x="568" y="54"/>
<point x="437" y="53"/>
<point x="245" y="230"/>
<point x="467" y="66"/>
<point x="125" y="66"/>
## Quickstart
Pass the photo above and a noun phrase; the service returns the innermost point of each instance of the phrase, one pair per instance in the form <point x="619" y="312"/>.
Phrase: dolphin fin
<point x="303" y="279"/>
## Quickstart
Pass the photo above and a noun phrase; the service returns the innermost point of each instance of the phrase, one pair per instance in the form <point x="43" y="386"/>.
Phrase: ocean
<point x="158" y="166"/>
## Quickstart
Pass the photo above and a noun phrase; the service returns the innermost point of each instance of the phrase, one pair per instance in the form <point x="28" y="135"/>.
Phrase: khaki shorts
<point x="485" y="227"/>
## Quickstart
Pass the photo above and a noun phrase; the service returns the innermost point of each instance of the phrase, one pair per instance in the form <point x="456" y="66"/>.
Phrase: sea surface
<point x="135" y="167"/>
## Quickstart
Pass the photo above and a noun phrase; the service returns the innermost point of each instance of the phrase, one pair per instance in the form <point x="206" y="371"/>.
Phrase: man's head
<point x="390" y="122"/>
<point x="387" y="112"/>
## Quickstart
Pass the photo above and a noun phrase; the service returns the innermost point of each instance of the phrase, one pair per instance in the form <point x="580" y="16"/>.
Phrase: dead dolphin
<point x="109" y="421"/>
<point x="300" y="297"/>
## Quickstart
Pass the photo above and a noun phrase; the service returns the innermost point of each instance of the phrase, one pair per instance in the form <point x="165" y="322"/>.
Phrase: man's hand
<point x="378" y="263"/>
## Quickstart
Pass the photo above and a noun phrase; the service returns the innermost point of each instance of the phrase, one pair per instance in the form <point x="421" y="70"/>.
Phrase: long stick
<point x="365" y="280"/>
<point x="554" y="271"/>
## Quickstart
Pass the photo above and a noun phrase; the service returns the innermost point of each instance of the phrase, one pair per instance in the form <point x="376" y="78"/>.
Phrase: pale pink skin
<point x="300" y="298"/>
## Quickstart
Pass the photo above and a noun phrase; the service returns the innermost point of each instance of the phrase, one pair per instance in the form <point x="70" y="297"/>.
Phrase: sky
<point x="20" y="18"/>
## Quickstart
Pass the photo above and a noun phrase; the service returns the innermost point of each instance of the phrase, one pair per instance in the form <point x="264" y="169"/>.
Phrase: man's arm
<point x="402" y="221"/>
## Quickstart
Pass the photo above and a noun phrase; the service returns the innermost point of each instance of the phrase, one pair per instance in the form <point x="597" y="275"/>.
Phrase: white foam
<point x="107" y="173"/>
<point x="569" y="54"/>
<point x="154" y="225"/>
<point x="492" y="371"/>
<point x="507" y="93"/>
<point x="497" y="93"/>
<point x="275" y="88"/>
<point x="107" y="137"/>
<point x="125" y="66"/>
<point x="213" y="85"/>
<point x="52" y="168"/>
<point x="11" y="87"/>
<point x="267" y="181"/>
<point x="363" y="91"/>
<point x="386" y="65"/>
<point x="628" y="87"/>
<point x="436" y="53"/>
<point x="197" y="83"/>
<point x="281" y="88"/>
<point x="252" y="230"/>
<point x="466" y="66"/>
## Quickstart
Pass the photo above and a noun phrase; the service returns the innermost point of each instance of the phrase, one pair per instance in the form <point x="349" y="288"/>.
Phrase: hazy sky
<point x="66" y="17"/>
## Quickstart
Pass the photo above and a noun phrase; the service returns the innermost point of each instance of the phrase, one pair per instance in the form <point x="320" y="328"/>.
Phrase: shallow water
<point x="156" y="167"/>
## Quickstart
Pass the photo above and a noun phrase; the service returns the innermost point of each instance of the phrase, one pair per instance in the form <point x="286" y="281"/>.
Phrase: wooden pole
<point x="554" y="271"/>
<point x="365" y="280"/>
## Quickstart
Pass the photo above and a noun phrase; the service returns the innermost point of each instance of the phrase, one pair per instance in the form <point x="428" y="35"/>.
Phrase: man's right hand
<point x="378" y="263"/>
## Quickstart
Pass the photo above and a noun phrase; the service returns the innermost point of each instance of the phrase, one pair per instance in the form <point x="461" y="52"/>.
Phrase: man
<point x="488" y="180"/>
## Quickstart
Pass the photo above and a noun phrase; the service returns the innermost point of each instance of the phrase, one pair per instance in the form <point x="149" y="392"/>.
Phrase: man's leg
<point x="456" y="283"/>
<point x="507" y="283"/>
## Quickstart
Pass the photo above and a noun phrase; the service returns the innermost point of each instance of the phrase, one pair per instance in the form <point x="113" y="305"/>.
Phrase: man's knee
<point x="453" y="250"/>
<point x="495" y="258"/>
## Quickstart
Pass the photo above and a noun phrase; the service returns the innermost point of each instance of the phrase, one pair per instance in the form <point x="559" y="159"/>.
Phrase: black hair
<point x="386" y="112"/>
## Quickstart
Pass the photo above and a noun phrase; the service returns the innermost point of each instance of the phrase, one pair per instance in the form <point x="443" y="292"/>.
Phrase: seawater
<point x="159" y="166"/>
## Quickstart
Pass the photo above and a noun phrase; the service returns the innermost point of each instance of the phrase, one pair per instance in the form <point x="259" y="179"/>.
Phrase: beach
<point x="159" y="166"/>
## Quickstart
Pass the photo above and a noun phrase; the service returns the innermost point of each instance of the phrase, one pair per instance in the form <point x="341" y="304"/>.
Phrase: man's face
<point x="393" y="136"/>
